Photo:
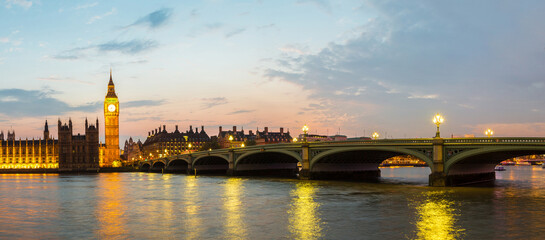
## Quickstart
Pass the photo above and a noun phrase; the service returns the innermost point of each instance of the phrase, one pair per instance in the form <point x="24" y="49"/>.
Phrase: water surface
<point x="176" y="206"/>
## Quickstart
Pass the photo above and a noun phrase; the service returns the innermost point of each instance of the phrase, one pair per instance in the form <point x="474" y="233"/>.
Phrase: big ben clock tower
<point x="111" y="122"/>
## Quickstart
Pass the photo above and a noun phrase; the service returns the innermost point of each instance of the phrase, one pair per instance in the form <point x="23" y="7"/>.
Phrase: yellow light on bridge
<point x="294" y="140"/>
<point x="242" y="145"/>
<point x="438" y="119"/>
<point x="305" y="129"/>
<point x="489" y="132"/>
<point x="375" y="135"/>
<point x="189" y="145"/>
<point x="230" y="137"/>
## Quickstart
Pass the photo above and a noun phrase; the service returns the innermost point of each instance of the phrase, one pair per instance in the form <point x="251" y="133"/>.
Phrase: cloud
<point x="155" y="19"/>
<point x="212" y="102"/>
<point x="417" y="96"/>
<point x="22" y="3"/>
<point x="142" y="103"/>
<point x="235" y="32"/>
<point x="240" y="112"/>
<point x="293" y="48"/>
<point x="322" y="4"/>
<point x="98" y="17"/>
<point x="56" y="78"/>
<point x="409" y="50"/>
<point x="34" y="103"/>
<point x="84" y="6"/>
<point x="128" y="47"/>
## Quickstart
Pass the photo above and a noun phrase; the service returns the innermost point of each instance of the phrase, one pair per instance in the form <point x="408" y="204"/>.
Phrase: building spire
<point x="111" y="80"/>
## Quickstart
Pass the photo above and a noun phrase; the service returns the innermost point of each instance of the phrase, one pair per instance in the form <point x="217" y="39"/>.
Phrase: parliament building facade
<point x="70" y="152"/>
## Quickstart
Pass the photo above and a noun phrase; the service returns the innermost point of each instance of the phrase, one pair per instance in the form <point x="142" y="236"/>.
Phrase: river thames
<point x="177" y="206"/>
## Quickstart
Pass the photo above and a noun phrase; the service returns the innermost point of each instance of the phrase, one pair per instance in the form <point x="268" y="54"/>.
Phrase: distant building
<point x="238" y="137"/>
<point x="78" y="152"/>
<point x="162" y="143"/>
<point x="28" y="154"/>
<point x="266" y="137"/>
<point x="260" y="137"/>
<point x="132" y="150"/>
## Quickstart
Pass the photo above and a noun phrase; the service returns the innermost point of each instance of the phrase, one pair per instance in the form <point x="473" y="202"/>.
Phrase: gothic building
<point x="160" y="142"/>
<point x="132" y="150"/>
<point x="111" y="126"/>
<point x="78" y="152"/>
<point x="28" y="154"/>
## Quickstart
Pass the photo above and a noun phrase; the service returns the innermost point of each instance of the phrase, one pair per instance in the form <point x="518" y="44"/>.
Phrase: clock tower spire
<point x="111" y="122"/>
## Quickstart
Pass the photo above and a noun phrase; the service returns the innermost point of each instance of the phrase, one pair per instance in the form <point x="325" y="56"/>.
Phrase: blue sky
<point x="357" y="66"/>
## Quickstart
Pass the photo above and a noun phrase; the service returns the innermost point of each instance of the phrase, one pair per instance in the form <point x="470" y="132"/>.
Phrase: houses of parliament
<point x="70" y="152"/>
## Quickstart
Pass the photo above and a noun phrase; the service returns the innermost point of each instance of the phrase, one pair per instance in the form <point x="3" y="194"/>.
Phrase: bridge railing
<point x="496" y="140"/>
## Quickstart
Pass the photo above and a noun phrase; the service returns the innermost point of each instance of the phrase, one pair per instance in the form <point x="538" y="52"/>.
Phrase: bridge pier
<point x="438" y="178"/>
<point x="304" y="173"/>
<point x="231" y="170"/>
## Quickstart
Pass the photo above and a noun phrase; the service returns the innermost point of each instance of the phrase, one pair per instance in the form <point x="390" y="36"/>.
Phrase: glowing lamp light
<point x="375" y="135"/>
<point x="230" y="137"/>
<point x="305" y="129"/>
<point x="242" y="145"/>
<point x="437" y="120"/>
<point x="294" y="140"/>
<point x="489" y="132"/>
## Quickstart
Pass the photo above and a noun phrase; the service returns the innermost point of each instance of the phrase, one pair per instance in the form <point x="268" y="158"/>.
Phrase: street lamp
<point x="189" y="147"/>
<point x="489" y="132"/>
<point x="231" y="141"/>
<point x="294" y="140"/>
<point x="242" y="145"/>
<point x="375" y="135"/>
<point x="438" y="119"/>
<point x="305" y="131"/>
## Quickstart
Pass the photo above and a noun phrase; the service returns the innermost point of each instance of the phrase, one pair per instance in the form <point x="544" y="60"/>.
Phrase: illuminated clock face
<point x="111" y="108"/>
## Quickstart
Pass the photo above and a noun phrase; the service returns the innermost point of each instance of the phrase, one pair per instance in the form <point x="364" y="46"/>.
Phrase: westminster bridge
<point x="453" y="161"/>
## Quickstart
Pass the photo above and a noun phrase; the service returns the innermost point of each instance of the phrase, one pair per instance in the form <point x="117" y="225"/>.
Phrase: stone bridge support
<point x="231" y="170"/>
<point x="438" y="177"/>
<point x="304" y="173"/>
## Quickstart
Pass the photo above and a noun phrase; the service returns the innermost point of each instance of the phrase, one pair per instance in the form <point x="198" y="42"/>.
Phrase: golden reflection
<point x="436" y="218"/>
<point x="110" y="209"/>
<point x="303" y="214"/>
<point x="192" y="209"/>
<point x="234" y="223"/>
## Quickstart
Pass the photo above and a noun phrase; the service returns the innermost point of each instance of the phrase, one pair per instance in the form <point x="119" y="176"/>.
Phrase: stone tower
<point x="111" y="125"/>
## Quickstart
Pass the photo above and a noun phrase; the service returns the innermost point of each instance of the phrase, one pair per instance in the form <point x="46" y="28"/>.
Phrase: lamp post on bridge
<point x="230" y="141"/>
<point x="305" y="133"/>
<point x="489" y="132"/>
<point x="438" y="119"/>
<point x="375" y="135"/>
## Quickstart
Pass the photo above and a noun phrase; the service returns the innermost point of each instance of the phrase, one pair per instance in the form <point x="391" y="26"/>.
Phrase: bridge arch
<point x="269" y="162"/>
<point x="396" y="150"/>
<point x="178" y="165"/>
<point x="484" y="159"/>
<point x="211" y="164"/>
<point x="145" y="167"/>
<point x="359" y="162"/>
<point x="158" y="165"/>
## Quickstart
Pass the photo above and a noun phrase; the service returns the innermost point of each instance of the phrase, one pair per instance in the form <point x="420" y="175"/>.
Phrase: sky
<point x="348" y="67"/>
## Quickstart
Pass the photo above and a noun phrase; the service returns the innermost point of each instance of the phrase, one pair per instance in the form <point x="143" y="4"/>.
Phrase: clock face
<point x="111" y="108"/>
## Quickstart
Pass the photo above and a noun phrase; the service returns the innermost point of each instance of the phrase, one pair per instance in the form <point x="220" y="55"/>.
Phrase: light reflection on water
<point x="176" y="206"/>
<point x="235" y="227"/>
<point x="192" y="219"/>
<point x="110" y="208"/>
<point x="437" y="217"/>
<point x="303" y="215"/>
